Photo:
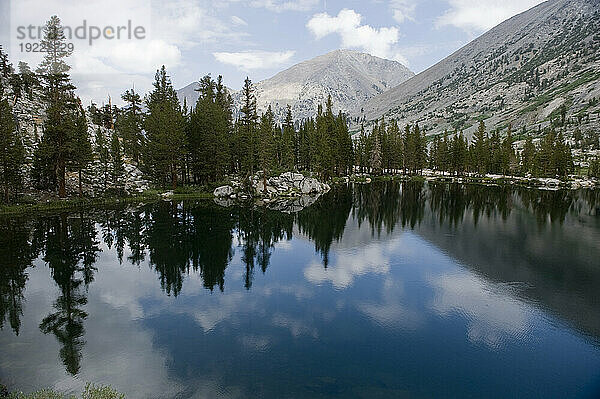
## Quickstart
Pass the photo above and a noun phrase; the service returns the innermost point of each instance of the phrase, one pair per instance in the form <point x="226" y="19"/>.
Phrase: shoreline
<point x="71" y="203"/>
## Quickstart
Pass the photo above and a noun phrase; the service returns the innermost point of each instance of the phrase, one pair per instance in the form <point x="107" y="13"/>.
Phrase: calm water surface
<point x="387" y="290"/>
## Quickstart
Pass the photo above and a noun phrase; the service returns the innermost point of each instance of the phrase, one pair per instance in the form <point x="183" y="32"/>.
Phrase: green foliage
<point x="165" y="129"/>
<point x="91" y="391"/>
<point x="209" y="132"/>
<point x="55" y="43"/>
<point x="116" y="159"/>
<point x="129" y="125"/>
<point x="12" y="153"/>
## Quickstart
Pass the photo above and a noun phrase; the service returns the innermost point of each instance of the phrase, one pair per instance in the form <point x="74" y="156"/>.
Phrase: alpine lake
<point x="384" y="290"/>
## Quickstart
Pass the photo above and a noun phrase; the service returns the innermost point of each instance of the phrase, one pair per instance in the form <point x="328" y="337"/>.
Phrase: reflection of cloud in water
<point x="391" y="312"/>
<point x="494" y="316"/>
<point x="297" y="327"/>
<point x="224" y="307"/>
<point x="300" y="292"/>
<point x="255" y="343"/>
<point x="349" y="265"/>
<point x="118" y="351"/>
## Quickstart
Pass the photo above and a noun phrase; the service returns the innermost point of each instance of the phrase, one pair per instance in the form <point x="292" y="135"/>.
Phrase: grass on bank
<point x="91" y="391"/>
<point x="77" y="202"/>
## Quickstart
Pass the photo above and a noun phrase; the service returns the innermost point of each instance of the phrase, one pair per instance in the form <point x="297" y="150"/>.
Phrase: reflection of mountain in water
<point x="545" y="241"/>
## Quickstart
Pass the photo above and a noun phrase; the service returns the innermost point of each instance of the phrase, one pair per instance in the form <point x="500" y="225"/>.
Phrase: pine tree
<point x="116" y="159"/>
<point x="209" y="131"/>
<point x="201" y="137"/>
<point x="508" y="162"/>
<point x="545" y="166"/>
<point x="12" y="153"/>
<point x="129" y="125"/>
<point x="343" y="145"/>
<point x="81" y="151"/>
<point x="376" y="161"/>
<point x="55" y="43"/>
<point x="266" y="145"/>
<point x="60" y="129"/>
<point x="165" y="131"/>
<point x="528" y="156"/>
<point x="6" y="68"/>
<point x="103" y="154"/>
<point x="247" y="140"/>
<point x="288" y="153"/>
<point x="480" y="151"/>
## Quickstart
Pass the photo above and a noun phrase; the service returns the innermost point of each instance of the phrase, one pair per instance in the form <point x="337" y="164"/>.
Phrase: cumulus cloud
<point x="249" y="60"/>
<point x="170" y="28"/>
<point x="481" y="15"/>
<point x="353" y="34"/>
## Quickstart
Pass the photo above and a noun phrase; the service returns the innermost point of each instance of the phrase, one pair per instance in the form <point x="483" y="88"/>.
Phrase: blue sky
<point x="255" y="38"/>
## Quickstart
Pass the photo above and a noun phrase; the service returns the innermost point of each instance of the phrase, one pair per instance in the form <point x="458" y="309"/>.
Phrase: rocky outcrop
<point x="289" y="192"/>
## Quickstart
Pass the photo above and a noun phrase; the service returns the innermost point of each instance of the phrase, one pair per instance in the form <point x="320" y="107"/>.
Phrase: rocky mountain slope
<point x="520" y="72"/>
<point x="348" y="76"/>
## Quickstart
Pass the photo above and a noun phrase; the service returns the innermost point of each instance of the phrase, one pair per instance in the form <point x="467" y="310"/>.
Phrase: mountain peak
<point x="508" y="75"/>
<point x="349" y="76"/>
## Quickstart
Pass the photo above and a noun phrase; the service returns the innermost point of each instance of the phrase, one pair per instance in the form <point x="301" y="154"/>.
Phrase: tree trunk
<point x="264" y="181"/>
<point x="174" y="178"/>
<point x="61" y="172"/>
<point x="80" y="187"/>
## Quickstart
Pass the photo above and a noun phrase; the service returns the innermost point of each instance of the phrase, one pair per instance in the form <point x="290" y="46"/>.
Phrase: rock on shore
<point x="289" y="192"/>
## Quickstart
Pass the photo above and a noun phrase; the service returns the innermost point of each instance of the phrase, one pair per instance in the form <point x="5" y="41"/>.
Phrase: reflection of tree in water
<point x="70" y="252"/>
<point x="325" y="221"/>
<point x="16" y="254"/>
<point x="258" y="230"/>
<point x="554" y="205"/>
<point x="180" y="238"/>
<point x="450" y="202"/>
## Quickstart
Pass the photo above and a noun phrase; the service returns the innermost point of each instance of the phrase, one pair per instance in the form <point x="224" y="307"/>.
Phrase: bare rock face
<point x="223" y="192"/>
<point x="519" y="72"/>
<point x="350" y="77"/>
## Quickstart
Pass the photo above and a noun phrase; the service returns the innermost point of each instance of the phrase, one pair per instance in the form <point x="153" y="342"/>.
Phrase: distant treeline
<point x="174" y="144"/>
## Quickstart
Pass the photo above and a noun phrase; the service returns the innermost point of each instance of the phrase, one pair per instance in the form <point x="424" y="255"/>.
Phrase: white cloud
<point x="249" y="60"/>
<point x="481" y="15"/>
<point x="347" y="24"/>
<point x="238" y="21"/>
<point x="403" y="10"/>
<point x="285" y="5"/>
<point x="171" y="28"/>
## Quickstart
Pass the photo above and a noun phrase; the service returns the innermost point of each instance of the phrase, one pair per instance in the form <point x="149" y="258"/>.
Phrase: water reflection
<point x="545" y="241"/>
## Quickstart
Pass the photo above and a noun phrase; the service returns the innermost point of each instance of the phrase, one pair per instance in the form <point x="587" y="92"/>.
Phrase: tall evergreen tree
<point x="288" y="147"/>
<point x="247" y="140"/>
<point x="81" y="152"/>
<point x="165" y="131"/>
<point x="130" y="125"/>
<point x="55" y="43"/>
<point x="376" y="161"/>
<point x="12" y="153"/>
<point x="103" y="154"/>
<point x="60" y="138"/>
<point x="116" y="158"/>
<point x="266" y="144"/>
<point x="480" y="150"/>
